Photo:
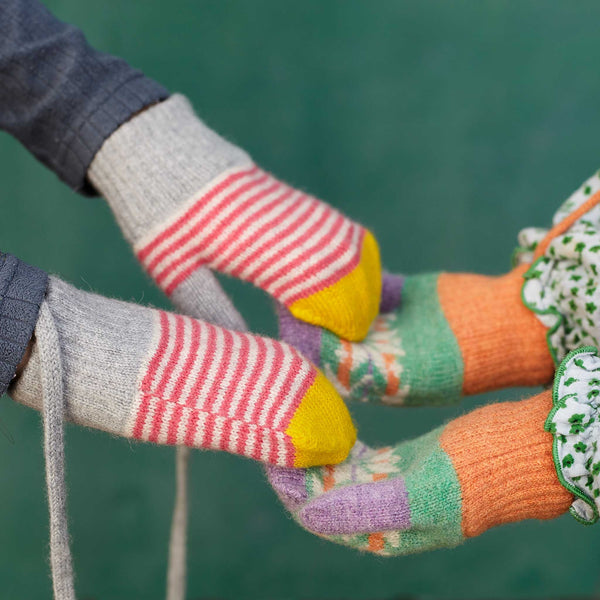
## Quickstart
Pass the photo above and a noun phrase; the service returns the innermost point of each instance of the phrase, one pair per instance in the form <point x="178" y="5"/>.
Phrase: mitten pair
<point x="439" y="337"/>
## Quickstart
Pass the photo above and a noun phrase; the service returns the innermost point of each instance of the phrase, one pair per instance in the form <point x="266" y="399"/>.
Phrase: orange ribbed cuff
<point x="503" y="461"/>
<point x="503" y="344"/>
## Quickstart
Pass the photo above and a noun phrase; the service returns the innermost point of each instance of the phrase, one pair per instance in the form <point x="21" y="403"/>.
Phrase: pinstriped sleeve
<point x="58" y="96"/>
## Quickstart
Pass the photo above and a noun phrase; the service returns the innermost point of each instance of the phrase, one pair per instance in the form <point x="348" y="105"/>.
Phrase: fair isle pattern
<point x="250" y="225"/>
<point x="390" y="501"/>
<point x="207" y="387"/>
<point x="371" y="370"/>
<point x="409" y="357"/>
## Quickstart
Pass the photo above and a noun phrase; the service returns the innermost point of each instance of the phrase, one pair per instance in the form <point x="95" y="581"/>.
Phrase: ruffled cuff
<point x="562" y="287"/>
<point x="574" y="421"/>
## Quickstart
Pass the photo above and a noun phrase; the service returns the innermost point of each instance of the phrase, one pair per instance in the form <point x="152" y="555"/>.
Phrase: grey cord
<point x="61" y="563"/>
<point x="176" y="573"/>
<point x="51" y="374"/>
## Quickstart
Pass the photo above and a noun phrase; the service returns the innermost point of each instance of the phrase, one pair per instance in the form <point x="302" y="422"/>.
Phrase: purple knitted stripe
<point x="307" y="338"/>
<point x="391" y="292"/>
<point x="303" y="336"/>
<point x="363" y="508"/>
<point x="289" y="484"/>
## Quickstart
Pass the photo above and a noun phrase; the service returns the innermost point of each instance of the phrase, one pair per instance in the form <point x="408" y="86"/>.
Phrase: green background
<point x="443" y="126"/>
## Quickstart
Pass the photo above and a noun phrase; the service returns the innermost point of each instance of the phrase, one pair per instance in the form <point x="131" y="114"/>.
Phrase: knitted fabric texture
<point x="201" y="297"/>
<point x="438" y="337"/>
<point x="53" y="410"/>
<point x="185" y="198"/>
<point x="164" y="378"/>
<point x="85" y="322"/>
<point x="487" y="468"/>
<point x="60" y="97"/>
<point x="51" y="376"/>
<point x="22" y="289"/>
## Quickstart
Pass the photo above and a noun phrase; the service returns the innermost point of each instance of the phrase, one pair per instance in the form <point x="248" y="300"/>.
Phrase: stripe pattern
<point x="206" y="387"/>
<point x="250" y="225"/>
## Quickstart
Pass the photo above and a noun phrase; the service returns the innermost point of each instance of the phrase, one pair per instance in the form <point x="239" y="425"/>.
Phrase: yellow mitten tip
<point x="349" y="306"/>
<point x="321" y="429"/>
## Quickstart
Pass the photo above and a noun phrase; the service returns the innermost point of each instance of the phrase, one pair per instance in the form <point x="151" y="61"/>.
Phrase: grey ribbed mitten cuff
<point x="147" y="168"/>
<point x="85" y="367"/>
<point x="157" y="161"/>
<point x="186" y="198"/>
<point x="103" y="344"/>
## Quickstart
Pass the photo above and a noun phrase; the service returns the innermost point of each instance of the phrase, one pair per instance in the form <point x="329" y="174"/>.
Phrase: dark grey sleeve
<point x="58" y="96"/>
<point x="22" y="290"/>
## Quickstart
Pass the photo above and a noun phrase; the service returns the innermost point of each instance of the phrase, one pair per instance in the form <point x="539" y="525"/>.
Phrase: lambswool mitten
<point x="186" y="198"/>
<point x="160" y="377"/>
<point x="487" y="468"/>
<point x="155" y="376"/>
<point x="22" y="309"/>
<point x="440" y="336"/>
<point x="502" y="463"/>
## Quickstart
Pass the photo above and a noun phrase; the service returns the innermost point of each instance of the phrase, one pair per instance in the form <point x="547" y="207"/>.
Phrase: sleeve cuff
<point x="22" y="290"/>
<point x="86" y="136"/>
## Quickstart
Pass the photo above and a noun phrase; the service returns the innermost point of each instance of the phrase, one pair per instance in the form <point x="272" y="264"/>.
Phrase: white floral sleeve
<point x="562" y="286"/>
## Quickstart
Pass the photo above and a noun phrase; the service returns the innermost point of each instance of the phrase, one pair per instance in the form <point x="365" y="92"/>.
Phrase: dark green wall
<point x="445" y="127"/>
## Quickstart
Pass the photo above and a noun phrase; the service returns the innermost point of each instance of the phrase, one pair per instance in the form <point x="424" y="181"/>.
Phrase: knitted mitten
<point x="442" y="335"/>
<point x="486" y="468"/>
<point x="438" y="337"/>
<point x="151" y="375"/>
<point x="185" y="198"/>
